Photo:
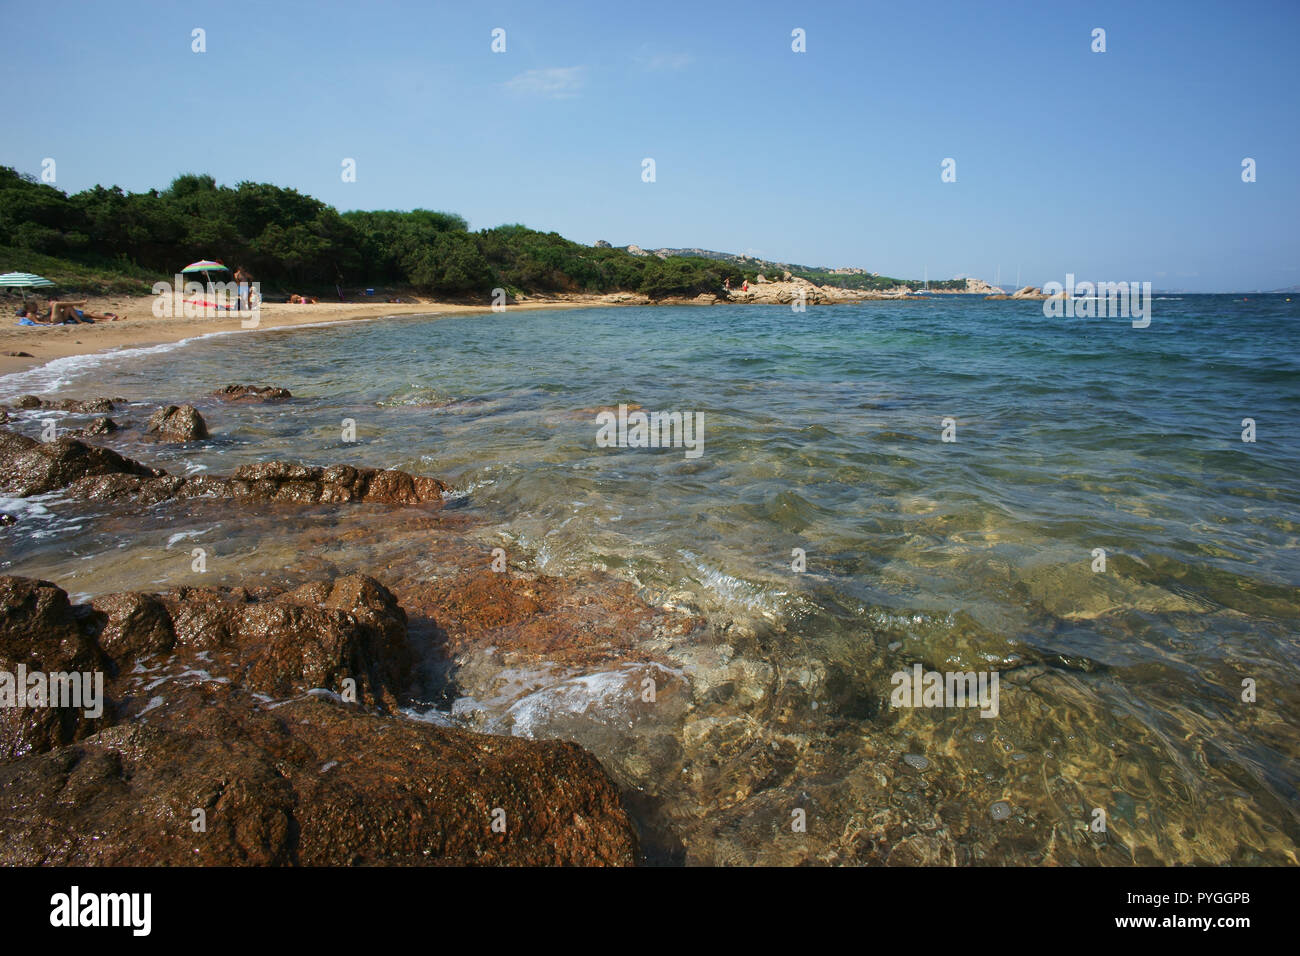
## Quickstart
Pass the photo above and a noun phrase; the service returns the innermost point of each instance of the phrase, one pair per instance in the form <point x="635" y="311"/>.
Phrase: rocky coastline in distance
<point x="782" y="283"/>
<point x="786" y="291"/>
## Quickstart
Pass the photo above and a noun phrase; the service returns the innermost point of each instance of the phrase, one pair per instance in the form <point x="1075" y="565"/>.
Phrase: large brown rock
<point x="283" y="481"/>
<point x="212" y="715"/>
<point x="40" y="633"/>
<point x="310" y="782"/>
<point x="30" y="467"/>
<point x="319" y="636"/>
<point x="177" y="423"/>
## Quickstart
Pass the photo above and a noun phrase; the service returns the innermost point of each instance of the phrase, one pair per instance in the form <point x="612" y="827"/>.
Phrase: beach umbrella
<point x="23" y="280"/>
<point x="204" y="266"/>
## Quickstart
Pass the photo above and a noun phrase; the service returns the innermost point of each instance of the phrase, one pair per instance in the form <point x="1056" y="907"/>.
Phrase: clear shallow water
<point x="822" y="431"/>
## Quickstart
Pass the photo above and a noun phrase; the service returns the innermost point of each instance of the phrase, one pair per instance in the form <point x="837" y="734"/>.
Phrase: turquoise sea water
<point x="1122" y="688"/>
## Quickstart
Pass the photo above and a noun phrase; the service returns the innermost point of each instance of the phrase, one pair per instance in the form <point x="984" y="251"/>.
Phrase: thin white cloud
<point x="664" y="62"/>
<point x="557" y="82"/>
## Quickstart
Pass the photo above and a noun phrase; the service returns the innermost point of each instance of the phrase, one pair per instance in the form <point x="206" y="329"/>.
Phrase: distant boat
<point x="926" y="290"/>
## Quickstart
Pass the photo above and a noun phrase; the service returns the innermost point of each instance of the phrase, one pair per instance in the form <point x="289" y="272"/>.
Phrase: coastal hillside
<point x="106" y="240"/>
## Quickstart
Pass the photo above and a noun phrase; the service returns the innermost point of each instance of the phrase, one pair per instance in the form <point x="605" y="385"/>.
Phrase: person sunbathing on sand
<point x="31" y="315"/>
<point x="66" y="313"/>
<point x="87" y="315"/>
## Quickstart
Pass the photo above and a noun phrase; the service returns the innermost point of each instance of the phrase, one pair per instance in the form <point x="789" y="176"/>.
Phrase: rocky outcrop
<point x="40" y="635"/>
<point x="177" y="424"/>
<point x="1028" y="292"/>
<point x="251" y="393"/>
<point x="29" y="467"/>
<point x="320" y="635"/>
<point x="258" y="728"/>
<point x="800" y="290"/>
<point x="89" y="406"/>
<point x="278" y="481"/>
<point x="980" y="287"/>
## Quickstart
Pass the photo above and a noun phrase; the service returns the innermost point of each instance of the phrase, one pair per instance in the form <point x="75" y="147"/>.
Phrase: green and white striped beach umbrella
<point x="23" y="280"/>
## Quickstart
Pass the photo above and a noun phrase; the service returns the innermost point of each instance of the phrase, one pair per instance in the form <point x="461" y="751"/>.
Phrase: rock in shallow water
<point x="251" y="393"/>
<point x="29" y="467"/>
<point x="177" y="423"/>
<point x="193" y="723"/>
<point x="88" y="406"/>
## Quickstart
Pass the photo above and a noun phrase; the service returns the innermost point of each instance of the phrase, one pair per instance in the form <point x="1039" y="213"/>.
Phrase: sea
<point x="1099" y="521"/>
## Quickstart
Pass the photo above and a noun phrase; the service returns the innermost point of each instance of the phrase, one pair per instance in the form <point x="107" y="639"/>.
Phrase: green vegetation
<point x="870" y="280"/>
<point x="107" y="240"/>
<point x="107" y="278"/>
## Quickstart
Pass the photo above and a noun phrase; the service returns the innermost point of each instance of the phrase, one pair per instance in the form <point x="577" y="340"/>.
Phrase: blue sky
<point x="1117" y="165"/>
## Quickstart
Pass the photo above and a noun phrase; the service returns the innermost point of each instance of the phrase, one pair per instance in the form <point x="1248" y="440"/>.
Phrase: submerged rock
<point x="251" y="393"/>
<point x="199" y="730"/>
<point x="98" y="426"/>
<point x="177" y="423"/>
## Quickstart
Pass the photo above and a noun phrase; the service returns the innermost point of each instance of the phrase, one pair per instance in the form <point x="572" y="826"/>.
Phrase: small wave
<point x="23" y="507"/>
<point x="602" y="695"/>
<point x="57" y="373"/>
<point x="182" y="535"/>
<point x="419" y="397"/>
<point x="438" y="718"/>
<point x="459" y="494"/>
<point x="737" y="593"/>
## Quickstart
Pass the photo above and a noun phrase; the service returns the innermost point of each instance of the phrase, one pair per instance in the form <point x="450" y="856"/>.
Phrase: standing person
<point x="243" y="278"/>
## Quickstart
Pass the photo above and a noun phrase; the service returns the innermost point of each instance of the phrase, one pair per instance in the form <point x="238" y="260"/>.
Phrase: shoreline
<point x="41" y="345"/>
<point x="141" y="329"/>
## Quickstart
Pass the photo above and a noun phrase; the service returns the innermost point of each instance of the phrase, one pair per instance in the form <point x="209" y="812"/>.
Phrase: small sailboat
<point x="926" y="291"/>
